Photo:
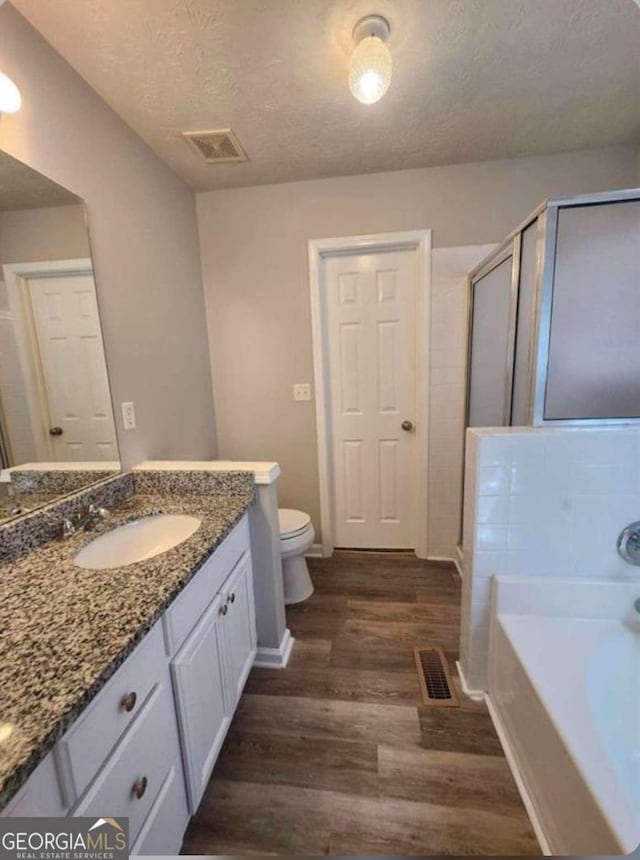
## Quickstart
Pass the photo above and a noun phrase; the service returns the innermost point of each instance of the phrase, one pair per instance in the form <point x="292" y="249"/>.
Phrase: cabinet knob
<point x="139" y="787"/>
<point x="231" y="597"/>
<point x="224" y="609"/>
<point x="128" y="701"/>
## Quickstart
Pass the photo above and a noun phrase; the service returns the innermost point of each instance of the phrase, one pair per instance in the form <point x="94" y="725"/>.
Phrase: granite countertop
<point x="65" y="630"/>
<point x="24" y="501"/>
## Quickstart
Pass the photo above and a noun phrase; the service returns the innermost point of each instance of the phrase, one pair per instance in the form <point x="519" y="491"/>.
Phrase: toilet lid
<point x="291" y="522"/>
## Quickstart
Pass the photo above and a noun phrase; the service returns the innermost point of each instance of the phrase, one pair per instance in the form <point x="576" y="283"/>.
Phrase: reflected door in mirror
<point x="74" y="373"/>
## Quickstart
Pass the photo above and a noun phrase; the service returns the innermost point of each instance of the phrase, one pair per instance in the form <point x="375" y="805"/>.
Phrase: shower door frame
<point x="544" y="301"/>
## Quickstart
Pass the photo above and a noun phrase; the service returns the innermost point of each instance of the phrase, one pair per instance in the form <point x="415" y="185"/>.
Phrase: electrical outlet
<point x="128" y="415"/>
<point x="302" y="391"/>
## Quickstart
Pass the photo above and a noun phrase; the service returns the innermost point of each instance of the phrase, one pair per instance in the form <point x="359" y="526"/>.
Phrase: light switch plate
<point x="301" y="391"/>
<point x="128" y="415"/>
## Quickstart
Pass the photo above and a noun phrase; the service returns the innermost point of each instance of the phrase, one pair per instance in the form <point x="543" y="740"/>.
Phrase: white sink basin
<point x="137" y="541"/>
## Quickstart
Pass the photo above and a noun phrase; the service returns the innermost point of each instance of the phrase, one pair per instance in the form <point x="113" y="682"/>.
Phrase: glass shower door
<point x="493" y="312"/>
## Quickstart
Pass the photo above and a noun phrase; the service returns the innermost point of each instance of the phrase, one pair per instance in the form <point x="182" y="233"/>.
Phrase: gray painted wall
<point x="50" y="233"/>
<point x="254" y="259"/>
<point x="144" y="237"/>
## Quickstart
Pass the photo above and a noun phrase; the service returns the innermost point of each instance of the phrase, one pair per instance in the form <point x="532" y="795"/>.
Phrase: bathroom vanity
<point x="121" y="683"/>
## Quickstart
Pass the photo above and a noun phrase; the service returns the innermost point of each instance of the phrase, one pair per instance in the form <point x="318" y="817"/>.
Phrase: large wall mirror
<point x="57" y="428"/>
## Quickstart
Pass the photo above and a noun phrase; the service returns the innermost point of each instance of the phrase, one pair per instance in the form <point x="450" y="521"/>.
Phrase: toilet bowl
<point x="296" y="537"/>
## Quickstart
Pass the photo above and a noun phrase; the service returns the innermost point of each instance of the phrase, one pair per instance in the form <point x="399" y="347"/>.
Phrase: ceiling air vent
<point x="216" y="147"/>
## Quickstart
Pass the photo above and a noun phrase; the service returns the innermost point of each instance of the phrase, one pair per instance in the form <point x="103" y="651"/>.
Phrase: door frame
<point x="17" y="277"/>
<point x="319" y="250"/>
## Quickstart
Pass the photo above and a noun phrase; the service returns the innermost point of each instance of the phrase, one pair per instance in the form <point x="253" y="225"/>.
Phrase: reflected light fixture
<point x="10" y="98"/>
<point x="370" y="65"/>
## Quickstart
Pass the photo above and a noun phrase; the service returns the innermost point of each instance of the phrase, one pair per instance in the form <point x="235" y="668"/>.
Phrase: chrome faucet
<point x="628" y="543"/>
<point x="83" y="521"/>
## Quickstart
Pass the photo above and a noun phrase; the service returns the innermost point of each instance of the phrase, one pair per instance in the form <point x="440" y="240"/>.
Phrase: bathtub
<point x="564" y="695"/>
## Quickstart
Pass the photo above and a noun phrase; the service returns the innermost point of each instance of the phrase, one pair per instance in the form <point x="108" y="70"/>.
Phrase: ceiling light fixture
<point x="10" y="98"/>
<point x="370" y="66"/>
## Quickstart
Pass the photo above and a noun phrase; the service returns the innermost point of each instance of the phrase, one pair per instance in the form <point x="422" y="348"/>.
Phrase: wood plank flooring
<point x="336" y="755"/>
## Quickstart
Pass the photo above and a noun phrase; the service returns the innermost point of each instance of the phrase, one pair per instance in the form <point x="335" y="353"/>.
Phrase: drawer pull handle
<point x="128" y="702"/>
<point x="224" y="609"/>
<point x="231" y="597"/>
<point x="140" y="786"/>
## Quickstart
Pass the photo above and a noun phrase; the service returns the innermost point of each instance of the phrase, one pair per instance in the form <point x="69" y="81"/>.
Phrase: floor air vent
<point x="218" y="146"/>
<point x="433" y="674"/>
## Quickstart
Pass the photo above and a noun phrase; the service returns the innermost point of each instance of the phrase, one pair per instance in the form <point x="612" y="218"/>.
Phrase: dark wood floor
<point x="336" y="755"/>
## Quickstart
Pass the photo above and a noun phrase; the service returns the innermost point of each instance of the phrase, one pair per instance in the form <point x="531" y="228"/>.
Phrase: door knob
<point x="139" y="787"/>
<point x="55" y="431"/>
<point x="407" y="425"/>
<point x="128" y="701"/>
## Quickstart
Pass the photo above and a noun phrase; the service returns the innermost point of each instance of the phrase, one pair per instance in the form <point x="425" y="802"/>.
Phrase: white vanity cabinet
<point x="211" y="665"/>
<point x="239" y="630"/>
<point x="157" y="725"/>
<point x="198" y="674"/>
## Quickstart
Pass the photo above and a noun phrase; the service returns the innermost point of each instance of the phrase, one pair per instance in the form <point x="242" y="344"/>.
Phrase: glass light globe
<point x="370" y="70"/>
<point x="10" y="98"/>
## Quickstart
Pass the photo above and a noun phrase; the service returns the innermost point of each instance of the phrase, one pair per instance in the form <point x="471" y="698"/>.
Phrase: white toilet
<point x="296" y="537"/>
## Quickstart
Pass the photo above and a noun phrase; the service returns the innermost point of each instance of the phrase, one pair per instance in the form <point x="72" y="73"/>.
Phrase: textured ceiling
<point x="24" y="188"/>
<point x="473" y="79"/>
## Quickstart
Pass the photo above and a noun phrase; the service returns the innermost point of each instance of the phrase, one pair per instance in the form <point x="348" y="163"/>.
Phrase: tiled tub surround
<point x="65" y="630"/>
<point x="545" y="503"/>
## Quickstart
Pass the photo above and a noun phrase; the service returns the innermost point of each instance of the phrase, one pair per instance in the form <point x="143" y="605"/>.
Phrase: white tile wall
<point x="447" y="393"/>
<point x="543" y="503"/>
<point x="446" y="424"/>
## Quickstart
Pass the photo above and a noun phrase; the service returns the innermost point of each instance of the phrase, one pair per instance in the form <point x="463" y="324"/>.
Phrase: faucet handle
<point x="67" y="529"/>
<point x="628" y="544"/>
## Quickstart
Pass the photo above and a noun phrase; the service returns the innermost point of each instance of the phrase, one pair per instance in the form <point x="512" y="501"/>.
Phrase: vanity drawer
<point x="141" y="763"/>
<point x="40" y="796"/>
<point x="181" y="617"/>
<point x="92" y="737"/>
<point x="163" y="830"/>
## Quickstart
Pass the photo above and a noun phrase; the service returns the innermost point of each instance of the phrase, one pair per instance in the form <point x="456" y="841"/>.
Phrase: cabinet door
<point x="198" y="679"/>
<point x="239" y="629"/>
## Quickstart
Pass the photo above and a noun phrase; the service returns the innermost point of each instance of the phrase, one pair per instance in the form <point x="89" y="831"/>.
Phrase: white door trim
<point x="17" y="276"/>
<point x="319" y="249"/>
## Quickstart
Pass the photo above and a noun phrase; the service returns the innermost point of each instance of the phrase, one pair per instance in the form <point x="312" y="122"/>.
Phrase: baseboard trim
<point x="440" y="560"/>
<point x="519" y="780"/>
<point x="275" y="658"/>
<point x="476" y="695"/>
<point x="315" y="551"/>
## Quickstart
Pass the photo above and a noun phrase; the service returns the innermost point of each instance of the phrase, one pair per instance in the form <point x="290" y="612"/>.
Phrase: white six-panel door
<point x="370" y="324"/>
<point x="65" y="314"/>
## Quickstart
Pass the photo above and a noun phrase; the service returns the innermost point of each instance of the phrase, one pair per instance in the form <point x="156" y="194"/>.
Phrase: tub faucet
<point x="628" y="544"/>
<point x="83" y="521"/>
